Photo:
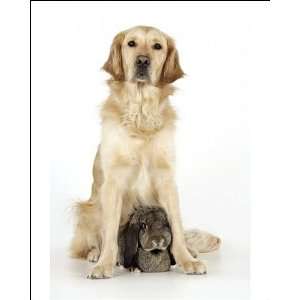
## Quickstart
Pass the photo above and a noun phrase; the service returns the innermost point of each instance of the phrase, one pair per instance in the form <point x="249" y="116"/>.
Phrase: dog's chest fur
<point x="142" y="110"/>
<point x="143" y="156"/>
<point x="138" y="138"/>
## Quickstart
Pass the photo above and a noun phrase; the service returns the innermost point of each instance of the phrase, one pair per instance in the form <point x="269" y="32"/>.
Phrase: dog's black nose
<point x="142" y="60"/>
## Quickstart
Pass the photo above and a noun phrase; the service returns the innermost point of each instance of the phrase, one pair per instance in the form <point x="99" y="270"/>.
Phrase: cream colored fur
<point x="135" y="163"/>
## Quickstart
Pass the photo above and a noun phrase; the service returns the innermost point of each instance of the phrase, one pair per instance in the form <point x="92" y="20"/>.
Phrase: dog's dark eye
<point x="157" y="46"/>
<point x="131" y="44"/>
<point x="144" y="226"/>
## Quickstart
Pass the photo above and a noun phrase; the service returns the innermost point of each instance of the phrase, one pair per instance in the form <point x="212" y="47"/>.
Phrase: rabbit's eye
<point x="144" y="226"/>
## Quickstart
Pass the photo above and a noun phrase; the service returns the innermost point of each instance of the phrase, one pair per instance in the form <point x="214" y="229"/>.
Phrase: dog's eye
<point x="157" y="46"/>
<point x="144" y="226"/>
<point x="131" y="44"/>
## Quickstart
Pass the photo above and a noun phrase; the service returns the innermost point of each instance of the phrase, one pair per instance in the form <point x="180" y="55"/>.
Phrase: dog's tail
<point x="199" y="241"/>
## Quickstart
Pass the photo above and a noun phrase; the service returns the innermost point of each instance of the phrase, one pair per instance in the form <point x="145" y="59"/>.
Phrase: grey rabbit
<point x="145" y="241"/>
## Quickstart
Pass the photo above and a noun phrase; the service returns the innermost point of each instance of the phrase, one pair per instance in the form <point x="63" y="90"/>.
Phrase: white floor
<point x="227" y="278"/>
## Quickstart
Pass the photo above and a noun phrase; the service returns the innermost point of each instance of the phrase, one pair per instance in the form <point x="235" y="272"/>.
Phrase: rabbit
<point x="144" y="243"/>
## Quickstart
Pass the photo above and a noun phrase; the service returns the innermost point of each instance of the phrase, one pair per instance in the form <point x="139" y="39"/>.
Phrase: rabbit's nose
<point x="154" y="243"/>
<point x="161" y="243"/>
<point x="158" y="242"/>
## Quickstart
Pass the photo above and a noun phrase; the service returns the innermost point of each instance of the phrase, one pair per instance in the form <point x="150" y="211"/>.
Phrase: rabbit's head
<point x="149" y="229"/>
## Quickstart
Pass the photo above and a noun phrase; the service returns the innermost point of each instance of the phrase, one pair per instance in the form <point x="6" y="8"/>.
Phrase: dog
<point x="135" y="162"/>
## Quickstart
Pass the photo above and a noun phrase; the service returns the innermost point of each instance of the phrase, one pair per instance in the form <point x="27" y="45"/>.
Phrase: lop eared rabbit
<point x="145" y="242"/>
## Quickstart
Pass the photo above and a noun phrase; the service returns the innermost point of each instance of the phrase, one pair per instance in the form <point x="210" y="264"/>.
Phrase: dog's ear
<point x="114" y="65"/>
<point x="171" y="70"/>
<point x="131" y="242"/>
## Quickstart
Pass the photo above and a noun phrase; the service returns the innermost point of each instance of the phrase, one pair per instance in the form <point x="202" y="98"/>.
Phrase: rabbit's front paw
<point x="101" y="271"/>
<point x="194" y="267"/>
<point x="134" y="270"/>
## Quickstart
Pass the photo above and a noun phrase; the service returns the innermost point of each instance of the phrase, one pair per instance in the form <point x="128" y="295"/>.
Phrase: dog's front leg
<point x="110" y="213"/>
<point x="168" y="198"/>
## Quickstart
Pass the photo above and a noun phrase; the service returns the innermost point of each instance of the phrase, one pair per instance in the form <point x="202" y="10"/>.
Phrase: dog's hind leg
<point x="79" y="246"/>
<point x="94" y="247"/>
<point x="86" y="242"/>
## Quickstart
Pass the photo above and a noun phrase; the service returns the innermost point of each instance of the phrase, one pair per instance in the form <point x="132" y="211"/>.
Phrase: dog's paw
<point x="101" y="272"/>
<point x="93" y="255"/>
<point x="194" y="267"/>
<point x="199" y="241"/>
<point x="214" y="243"/>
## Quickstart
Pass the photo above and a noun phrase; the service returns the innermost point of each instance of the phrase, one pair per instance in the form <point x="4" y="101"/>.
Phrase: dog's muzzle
<point x="142" y="64"/>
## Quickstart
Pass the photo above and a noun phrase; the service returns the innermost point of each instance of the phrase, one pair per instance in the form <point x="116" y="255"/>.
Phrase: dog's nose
<point x="142" y="60"/>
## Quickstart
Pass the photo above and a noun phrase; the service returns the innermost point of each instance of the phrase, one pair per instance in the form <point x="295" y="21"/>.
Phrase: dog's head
<point x="149" y="229"/>
<point x="143" y="54"/>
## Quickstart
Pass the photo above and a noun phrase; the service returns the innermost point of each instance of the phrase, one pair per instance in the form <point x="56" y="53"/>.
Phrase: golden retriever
<point x="136" y="159"/>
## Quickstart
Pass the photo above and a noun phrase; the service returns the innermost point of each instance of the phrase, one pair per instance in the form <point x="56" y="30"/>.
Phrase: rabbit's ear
<point x="172" y="259"/>
<point x="131" y="243"/>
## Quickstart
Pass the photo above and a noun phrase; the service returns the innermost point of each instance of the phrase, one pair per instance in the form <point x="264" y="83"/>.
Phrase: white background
<point x="70" y="43"/>
<point x="274" y="110"/>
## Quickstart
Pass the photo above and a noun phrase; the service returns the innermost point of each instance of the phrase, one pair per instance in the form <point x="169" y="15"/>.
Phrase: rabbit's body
<point x="144" y="243"/>
<point x="149" y="261"/>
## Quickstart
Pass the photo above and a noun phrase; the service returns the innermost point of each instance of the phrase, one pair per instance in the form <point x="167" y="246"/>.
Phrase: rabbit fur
<point x="144" y="243"/>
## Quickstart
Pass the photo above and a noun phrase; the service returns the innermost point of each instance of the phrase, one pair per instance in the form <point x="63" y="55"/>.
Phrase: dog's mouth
<point x="142" y="74"/>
